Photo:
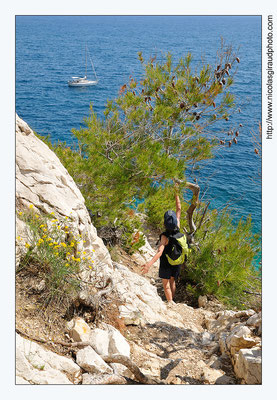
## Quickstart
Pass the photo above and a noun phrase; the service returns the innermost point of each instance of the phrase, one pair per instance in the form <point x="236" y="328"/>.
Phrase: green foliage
<point x="223" y="265"/>
<point x="150" y="133"/>
<point x="52" y="247"/>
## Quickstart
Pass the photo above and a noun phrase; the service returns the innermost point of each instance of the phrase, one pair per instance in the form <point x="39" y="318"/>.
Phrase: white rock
<point x="118" y="344"/>
<point x="39" y="366"/>
<point x="80" y="331"/>
<point x="99" y="340"/>
<point x="100" y="379"/>
<point x="256" y="320"/>
<point x="21" y="381"/>
<point x="248" y="366"/>
<point x="144" y="254"/>
<point x="42" y="181"/>
<point x="202" y="301"/>
<point x="240" y="338"/>
<point x="207" y="338"/>
<point x="210" y="375"/>
<point x="90" y="361"/>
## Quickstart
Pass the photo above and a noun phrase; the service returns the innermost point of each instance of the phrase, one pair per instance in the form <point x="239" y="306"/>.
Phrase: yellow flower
<point x="93" y="250"/>
<point x="84" y="252"/>
<point x="58" y="227"/>
<point x="36" y="216"/>
<point x="20" y="213"/>
<point x="44" y="236"/>
<point x="63" y="244"/>
<point x="68" y="254"/>
<point x="40" y="241"/>
<point x="66" y="227"/>
<point x="78" y="252"/>
<point x="19" y="238"/>
<point x="31" y="206"/>
<point x="42" y="226"/>
<point x="27" y="245"/>
<point x="52" y="213"/>
<point x="90" y="266"/>
<point x="77" y="259"/>
<point x="56" y="254"/>
<point x="50" y="244"/>
<point x="55" y="242"/>
<point x="89" y="258"/>
<point x="44" y="229"/>
<point x="67" y="265"/>
<point x="56" y="247"/>
<point x="72" y="244"/>
<point x="65" y="217"/>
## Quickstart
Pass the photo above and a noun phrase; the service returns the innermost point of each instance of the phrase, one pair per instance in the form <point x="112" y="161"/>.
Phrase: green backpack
<point x="177" y="248"/>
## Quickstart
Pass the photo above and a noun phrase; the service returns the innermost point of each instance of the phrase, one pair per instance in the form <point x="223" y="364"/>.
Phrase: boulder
<point x="37" y="365"/>
<point x="202" y="301"/>
<point x="118" y="344"/>
<point x="240" y="338"/>
<point x="99" y="340"/>
<point x="248" y="365"/>
<point x="91" y="362"/>
<point x="79" y="330"/>
<point x="43" y="183"/>
<point x="256" y="321"/>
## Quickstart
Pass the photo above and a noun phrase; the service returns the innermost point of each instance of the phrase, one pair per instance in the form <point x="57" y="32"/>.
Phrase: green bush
<point x="223" y="264"/>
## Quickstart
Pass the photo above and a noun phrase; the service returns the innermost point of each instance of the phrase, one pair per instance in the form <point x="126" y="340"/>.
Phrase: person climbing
<point x="169" y="273"/>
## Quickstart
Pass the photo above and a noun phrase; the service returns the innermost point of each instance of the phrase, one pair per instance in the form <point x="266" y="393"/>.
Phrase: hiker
<point x="168" y="272"/>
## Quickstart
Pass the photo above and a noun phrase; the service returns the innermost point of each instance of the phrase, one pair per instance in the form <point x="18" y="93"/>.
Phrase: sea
<point x="51" y="49"/>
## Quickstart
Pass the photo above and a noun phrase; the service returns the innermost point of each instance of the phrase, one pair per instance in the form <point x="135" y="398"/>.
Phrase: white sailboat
<point x="77" y="81"/>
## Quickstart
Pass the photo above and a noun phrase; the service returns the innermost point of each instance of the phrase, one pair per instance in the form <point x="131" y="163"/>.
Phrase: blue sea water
<point x="51" y="49"/>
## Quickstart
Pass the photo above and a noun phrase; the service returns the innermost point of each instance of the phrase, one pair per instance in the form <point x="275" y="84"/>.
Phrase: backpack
<point x="177" y="248"/>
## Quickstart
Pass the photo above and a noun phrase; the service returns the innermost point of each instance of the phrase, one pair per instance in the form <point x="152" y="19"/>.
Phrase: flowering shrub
<point x="54" y="248"/>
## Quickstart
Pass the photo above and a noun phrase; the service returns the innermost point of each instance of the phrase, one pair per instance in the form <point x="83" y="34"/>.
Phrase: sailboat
<point x="77" y="81"/>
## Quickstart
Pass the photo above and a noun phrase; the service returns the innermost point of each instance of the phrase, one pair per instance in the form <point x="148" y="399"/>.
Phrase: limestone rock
<point x="148" y="362"/>
<point x="91" y="362"/>
<point x="118" y="344"/>
<point x="131" y="316"/>
<point x="240" y="338"/>
<point x="207" y="338"/>
<point x="248" y="365"/>
<point x="43" y="182"/>
<point x="99" y="340"/>
<point x="210" y="375"/>
<point x="103" y="379"/>
<point x="80" y="331"/>
<point x="21" y="381"/>
<point x="144" y="254"/>
<point x="256" y="321"/>
<point x="36" y="365"/>
<point x="202" y="301"/>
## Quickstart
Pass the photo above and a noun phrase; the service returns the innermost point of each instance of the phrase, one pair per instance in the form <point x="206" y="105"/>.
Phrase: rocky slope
<point x="172" y="344"/>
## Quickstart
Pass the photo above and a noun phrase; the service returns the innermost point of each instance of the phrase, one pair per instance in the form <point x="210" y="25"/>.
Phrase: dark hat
<point x="170" y="220"/>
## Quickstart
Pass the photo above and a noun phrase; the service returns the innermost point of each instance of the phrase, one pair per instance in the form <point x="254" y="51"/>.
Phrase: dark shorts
<point x="166" y="272"/>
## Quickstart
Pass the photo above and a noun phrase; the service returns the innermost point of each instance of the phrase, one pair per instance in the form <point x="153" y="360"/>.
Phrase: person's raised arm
<point x="178" y="208"/>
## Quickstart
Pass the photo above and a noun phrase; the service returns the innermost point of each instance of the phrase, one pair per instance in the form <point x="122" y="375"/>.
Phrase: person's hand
<point x="145" y="268"/>
<point x="176" y="187"/>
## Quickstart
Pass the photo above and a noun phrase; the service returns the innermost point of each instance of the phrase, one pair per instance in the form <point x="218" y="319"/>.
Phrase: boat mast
<point x="86" y="63"/>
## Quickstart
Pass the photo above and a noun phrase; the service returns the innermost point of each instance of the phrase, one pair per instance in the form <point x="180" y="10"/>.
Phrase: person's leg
<point x="172" y="286"/>
<point x="167" y="289"/>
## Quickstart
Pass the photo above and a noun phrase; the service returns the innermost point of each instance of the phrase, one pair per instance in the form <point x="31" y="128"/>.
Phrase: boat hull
<point x="78" y="84"/>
